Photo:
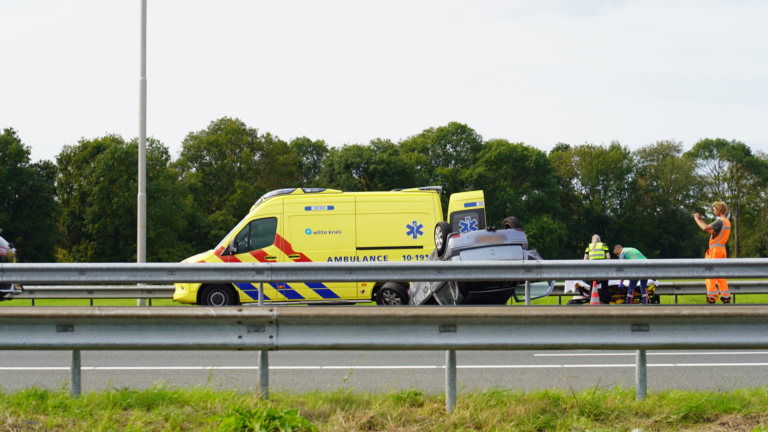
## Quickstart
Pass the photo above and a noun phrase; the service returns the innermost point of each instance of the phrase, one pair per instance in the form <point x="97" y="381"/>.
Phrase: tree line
<point x="82" y="206"/>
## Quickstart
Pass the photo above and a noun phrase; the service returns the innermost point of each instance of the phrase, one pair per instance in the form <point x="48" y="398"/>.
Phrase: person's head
<point x="617" y="249"/>
<point x="719" y="208"/>
<point x="595" y="239"/>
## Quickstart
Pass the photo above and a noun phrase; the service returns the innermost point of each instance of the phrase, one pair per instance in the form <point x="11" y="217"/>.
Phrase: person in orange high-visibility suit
<point x="719" y="231"/>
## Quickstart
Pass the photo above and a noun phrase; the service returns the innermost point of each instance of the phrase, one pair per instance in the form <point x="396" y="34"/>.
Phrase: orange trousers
<point x="713" y="284"/>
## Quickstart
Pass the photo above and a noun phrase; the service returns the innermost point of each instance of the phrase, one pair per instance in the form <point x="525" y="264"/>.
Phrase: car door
<point x="257" y="242"/>
<point x="466" y="211"/>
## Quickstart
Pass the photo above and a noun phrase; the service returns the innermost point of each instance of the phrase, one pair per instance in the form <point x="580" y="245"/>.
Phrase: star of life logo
<point x="467" y="225"/>
<point x="414" y="230"/>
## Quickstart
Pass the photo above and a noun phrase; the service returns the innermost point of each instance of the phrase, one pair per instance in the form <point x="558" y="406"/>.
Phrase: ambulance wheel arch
<point x="217" y="295"/>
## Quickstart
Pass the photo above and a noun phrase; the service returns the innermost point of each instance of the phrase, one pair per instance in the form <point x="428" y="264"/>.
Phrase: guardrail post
<point x="264" y="374"/>
<point x="527" y="293"/>
<point x="641" y="376"/>
<point x="33" y="302"/>
<point x="261" y="293"/>
<point x="734" y="298"/>
<point x="74" y="390"/>
<point x="91" y="302"/>
<point x="450" y="380"/>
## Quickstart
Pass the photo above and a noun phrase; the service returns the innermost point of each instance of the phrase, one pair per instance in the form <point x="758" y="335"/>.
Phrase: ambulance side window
<point x="257" y="234"/>
<point x="262" y="233"/>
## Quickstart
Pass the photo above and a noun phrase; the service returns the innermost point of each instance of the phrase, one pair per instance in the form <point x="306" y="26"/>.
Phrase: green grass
<point x="205" y="409"/>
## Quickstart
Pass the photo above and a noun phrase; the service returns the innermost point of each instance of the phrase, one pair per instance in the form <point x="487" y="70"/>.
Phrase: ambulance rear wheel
<point x="219" y="295"/>
<point x="442" y="229"/>
<point x="392" y="294"/>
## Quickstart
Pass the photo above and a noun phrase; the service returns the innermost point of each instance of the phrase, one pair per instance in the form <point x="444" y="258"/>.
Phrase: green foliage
<point x="98" y="191"/>
<point x="519" y="180"/>
<point x="374" y="167"/>
<point x="442" y="156"/>
<point x="83" y="207"/>
<point x="28" y="208"/>
<point x="599" y="195"/>
<point x="264" y="420"/>
<point x="310" y="156"/>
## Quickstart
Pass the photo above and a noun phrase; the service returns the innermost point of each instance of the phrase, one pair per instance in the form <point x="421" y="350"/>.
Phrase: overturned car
<point x="506" y="244"/>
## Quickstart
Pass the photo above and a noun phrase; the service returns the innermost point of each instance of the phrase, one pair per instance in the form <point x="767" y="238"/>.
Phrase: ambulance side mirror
<point x="230" y="250"/>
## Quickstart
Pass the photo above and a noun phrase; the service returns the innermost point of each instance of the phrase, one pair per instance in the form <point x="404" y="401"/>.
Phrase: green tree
<point x="731" y="174"/>
<point x="98" y="188"/>
<point x="519" y="180"/>
<point x="228" y="166"/>
<point x="599" y="194"/>
<point x="669" y="193"/>
<point x="28" y="207"/>
<point x="442" y="156"/>
<point x="373" y="167"/>
<point x="311" y="155"/>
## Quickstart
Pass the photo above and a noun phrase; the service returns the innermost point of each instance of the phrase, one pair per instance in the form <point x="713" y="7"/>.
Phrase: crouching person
<point x="633" y="254"/>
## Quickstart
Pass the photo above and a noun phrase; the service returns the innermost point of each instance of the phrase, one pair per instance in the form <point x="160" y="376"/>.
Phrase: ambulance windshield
<point x="237" y="225"/>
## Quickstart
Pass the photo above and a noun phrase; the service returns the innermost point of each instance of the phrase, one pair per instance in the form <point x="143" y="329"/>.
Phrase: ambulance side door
<point x="321" y="228"/>
<point x="257" y="241"/>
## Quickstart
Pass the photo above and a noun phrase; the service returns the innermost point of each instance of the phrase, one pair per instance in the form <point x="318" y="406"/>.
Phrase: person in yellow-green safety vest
<point x="719" y="231"/>
<point x="598" y="250"/>
<point x="633" y="254"/>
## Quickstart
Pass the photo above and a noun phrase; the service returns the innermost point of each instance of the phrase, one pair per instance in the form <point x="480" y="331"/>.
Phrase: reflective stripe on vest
<point x="715" y="243"/>
<point x="597" y="253"/>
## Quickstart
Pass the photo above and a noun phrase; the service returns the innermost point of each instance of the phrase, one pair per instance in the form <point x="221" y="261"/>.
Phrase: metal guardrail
<point x="386" y="328"/>
<point x="94" y="292"/>
<point x="32" y="292"/>
<point x="163" y="273"/>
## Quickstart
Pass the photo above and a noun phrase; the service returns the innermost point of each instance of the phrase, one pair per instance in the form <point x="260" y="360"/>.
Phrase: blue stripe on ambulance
<point x="287" y="291"/>
<point x="251" y="290"/>
<point x="475" y="204"/>
<point x="322" y="290"/>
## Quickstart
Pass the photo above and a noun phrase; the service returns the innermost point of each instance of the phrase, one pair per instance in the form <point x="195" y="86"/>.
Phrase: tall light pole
<point x="141" y="240"/>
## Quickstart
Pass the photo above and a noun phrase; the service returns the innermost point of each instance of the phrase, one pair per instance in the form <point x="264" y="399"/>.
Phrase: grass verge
<point x="173" y="409"/>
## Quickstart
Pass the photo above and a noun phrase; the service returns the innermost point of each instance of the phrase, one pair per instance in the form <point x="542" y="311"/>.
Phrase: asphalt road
<point x="384" y="370"/>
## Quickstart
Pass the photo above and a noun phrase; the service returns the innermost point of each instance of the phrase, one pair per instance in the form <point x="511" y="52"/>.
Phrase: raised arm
<point x="703" y="225"/>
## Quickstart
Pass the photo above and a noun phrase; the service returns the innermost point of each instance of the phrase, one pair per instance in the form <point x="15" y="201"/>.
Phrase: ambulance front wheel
<point x="218" y="295"/>
<point x="392" y="294"/>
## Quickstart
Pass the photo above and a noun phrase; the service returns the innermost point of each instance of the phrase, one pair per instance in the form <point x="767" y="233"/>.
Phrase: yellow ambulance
<point x="328" y="225"/>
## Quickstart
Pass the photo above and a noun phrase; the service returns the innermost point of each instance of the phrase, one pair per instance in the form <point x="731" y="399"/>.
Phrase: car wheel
<point x="219" y="295"/>
<point x="511" y="223"/>
<point x="442" y="229"/>
<point x="392" y="294"/>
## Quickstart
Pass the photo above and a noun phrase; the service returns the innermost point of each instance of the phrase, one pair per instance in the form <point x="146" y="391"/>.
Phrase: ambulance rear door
<point x="320" y="228"/>
<point x="466" y="211"/>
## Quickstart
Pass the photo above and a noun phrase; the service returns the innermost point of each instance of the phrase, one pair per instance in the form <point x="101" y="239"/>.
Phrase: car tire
<point x="442" y="229"/>
<point x="218" y="295"/>
<point x="392" y="294"/>
<point x="511" y="223"/>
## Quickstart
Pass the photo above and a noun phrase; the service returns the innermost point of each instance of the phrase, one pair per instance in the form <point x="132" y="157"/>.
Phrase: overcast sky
<point x="539" y="72"/>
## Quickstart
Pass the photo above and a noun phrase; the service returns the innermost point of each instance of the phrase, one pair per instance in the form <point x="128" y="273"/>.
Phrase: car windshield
<point x="493" y="253"/>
